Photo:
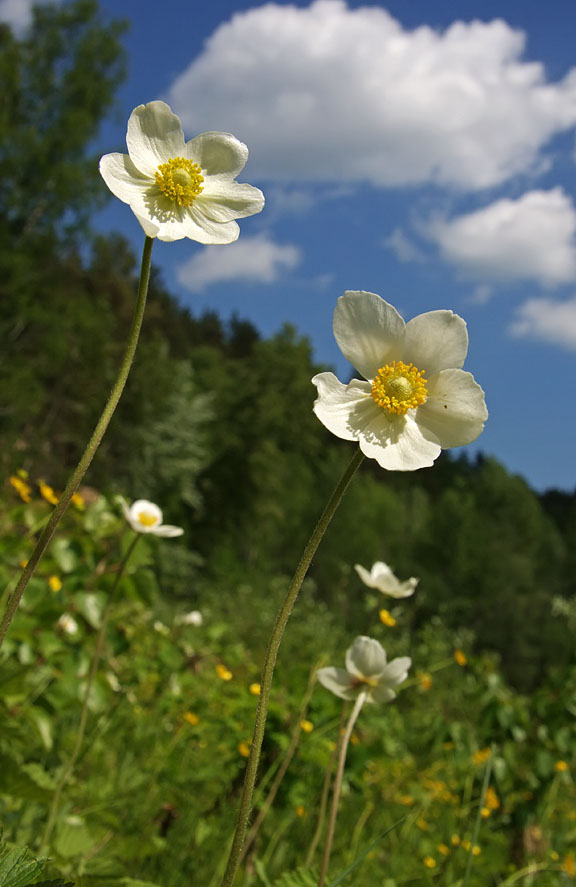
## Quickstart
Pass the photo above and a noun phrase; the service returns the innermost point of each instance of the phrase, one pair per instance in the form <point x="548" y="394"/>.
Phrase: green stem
<point x="361" y="699"/>
<point x="90" y="451"/>
<point x="270" y="662"/>
<point x="69" y="769"/>
<point x="324" y="797"/>
<point x="270" y="797"/>
<point x="476" y="831"/>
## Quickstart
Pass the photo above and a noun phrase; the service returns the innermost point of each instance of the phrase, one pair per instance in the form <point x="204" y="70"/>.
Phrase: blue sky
<point x="422" y="150"/>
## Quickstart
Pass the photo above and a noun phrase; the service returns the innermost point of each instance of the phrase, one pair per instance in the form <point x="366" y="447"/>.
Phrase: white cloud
<point x="17" y="13"/>
<point x="403" y="248"/>
<point x="254" y="259"/>
<point x="532" y="238"/>
<point x="547" y="319"/>
<point x="329" y="93"/>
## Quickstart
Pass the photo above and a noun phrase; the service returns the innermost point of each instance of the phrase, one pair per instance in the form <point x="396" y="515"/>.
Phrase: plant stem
<point x="269" y="663"/>
<point x="338" y="784"/>
<point x="269" y="800"/>
<point x="484" y="789"/>
<point x="91" y="448"/>
<point x="324" y="797"/>
<point x="69" y="769"/>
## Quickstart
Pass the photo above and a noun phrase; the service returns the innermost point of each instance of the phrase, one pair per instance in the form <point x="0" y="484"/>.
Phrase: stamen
<point x="180" y="180"/>
<point x="399" y="387"/>
<point x="147" y="519"/>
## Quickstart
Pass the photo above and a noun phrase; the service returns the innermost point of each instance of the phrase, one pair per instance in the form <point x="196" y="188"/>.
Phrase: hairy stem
<point x="91" y="448"/>
<point x="270" y="662"/>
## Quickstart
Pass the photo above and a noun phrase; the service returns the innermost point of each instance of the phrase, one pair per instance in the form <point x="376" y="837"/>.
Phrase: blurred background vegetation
<point x="216" y="427"/>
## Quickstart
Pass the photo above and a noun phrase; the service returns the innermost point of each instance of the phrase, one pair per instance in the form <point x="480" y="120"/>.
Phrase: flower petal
<point x="369" y="331"/>
<point x="168" y="531"/>
<point x="381" y="694"/>
<point x="218" y="153"/>
<point x="124" y="180"/>
<point x="154" y="136"/>
<point x="366" y="658"/>
<point x="398" y="443"/>
<point x="435" y="341"/>
<point x="396" y="671"/>
<point x="455" y="410"/>
<point x="343" y="409"/>
<point x="198" y="226"/>
<point x="223" y="200"/>
<point x="338" y="681"/>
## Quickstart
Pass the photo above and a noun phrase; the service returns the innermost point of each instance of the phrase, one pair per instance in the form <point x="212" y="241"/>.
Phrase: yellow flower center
<point x="399" y="387"/>
<point x="147" y="519"/>
<point x="180" y="180"/>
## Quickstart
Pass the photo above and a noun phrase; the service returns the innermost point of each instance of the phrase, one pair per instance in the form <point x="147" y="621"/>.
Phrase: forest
<point x="203" y="431"/>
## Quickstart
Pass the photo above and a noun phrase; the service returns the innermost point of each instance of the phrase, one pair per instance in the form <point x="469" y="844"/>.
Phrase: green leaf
<point x="18" y="868"/>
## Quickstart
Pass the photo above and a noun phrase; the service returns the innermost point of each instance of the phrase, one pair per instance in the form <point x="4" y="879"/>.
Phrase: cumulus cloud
<point x="330" y="93"/>
<point x="531" y="238"/>
<point x="17" y="13"/>
<point x="549" y="320"/>
<point x="251" y="259"/>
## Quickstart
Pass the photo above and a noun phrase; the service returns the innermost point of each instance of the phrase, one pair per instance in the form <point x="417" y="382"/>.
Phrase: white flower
<point x="366" y="672"/>
<point x="145" y="517"/>
<point x="382" y="578"/>
<point x="417" y="400"/>
<point x="194" y="617"/>
<point x="181" y="189"/>
<point x="67" y="624"/>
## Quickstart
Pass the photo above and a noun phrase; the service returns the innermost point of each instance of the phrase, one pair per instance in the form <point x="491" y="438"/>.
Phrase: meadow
<point x="139" y="598"/>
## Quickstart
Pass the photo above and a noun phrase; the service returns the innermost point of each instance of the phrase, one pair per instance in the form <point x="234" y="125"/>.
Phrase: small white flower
<point x="382" y="578"/>
<point x="194" y="617"/>
<point x="145" y="517"/>
<point x="67" y="624"/>
<point x="367" y="671"/>
<point x="181" y="189"/>
<point x="417" y="400"/>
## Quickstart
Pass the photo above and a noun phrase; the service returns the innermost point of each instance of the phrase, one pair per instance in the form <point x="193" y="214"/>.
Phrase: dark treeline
<point x="216" y="423"/>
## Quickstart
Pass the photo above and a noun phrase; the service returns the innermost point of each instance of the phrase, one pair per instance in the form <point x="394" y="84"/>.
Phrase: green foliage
<point x="18" y="868"/>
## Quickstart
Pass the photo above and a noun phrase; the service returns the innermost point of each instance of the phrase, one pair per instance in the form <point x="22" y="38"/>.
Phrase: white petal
<point x="403" y="589"/>
<point x="455" y="410"/>
<point x="223" y="200"/>
<point x="344" y="409"/>
<point x="168" y="531"/>
<point x="122" y="177"/>
<point x="218" y="153"/>
<point x="436" y="341"/>
<point x="396" y="671"/>
<point x="381" y="694"/>
<point x="365" y="658"/>
<point x="398" y="443"/>
<point x="197" y="226"/>
<point x="369" y="331"/>
<point x="338" y="681"/>
<point x="365" y="575"/>
<point x="150" y="229"/>
<point x="154" y="136"/>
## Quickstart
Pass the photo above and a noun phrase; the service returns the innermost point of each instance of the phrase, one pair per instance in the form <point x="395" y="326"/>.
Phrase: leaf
<point x="18" y="868"/>
<point x="298" y="878"/>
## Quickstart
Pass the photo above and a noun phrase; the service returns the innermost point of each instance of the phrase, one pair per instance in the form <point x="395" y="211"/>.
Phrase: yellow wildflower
<point x="407" y="800"/>
<point x="481" y="756"/>
<point x="23" y="564"/>
<point x="568" y="865"/>
<point x="422" y="824"/>
<point x="255" y="689"/>
<point x="192" y="718"/>
<point x="443" y="849"/>
<point x="387" y="619"/>
<point x="47" y="493"/>
<point x="455" y="840"/>
<point x="306" y="726"/>
<point x="560" y="766"/>
<point x="55" y="583"/>
<point x="23" y="489"/>
<point x="429" y="862"/>
<point x="425" y="681"/>
<point x="554" y="855"/>
<point x="476" y="850"/>
<point x="491" y="802"/>
<point x="300" y="810"/>
<point x="460" y="658"/>
<point x="224" y="673"/>
<point x="78" y="500"/>
<point x="244" y="749"/>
